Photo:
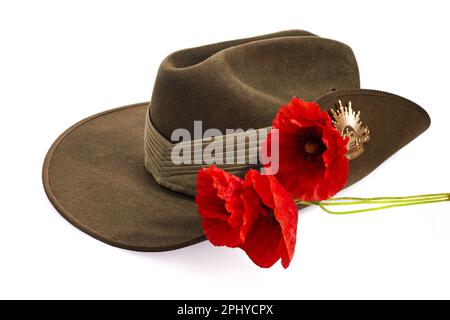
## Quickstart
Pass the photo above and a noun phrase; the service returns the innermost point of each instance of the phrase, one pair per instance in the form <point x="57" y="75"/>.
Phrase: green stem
<point x="394" y="198"/>
<point x="386" y="202"/>
<point x="337" y="202"/>
<point x="379" y="208"/>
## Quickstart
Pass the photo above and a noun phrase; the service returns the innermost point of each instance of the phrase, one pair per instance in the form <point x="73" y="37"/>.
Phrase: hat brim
<point x="94" y="175"/>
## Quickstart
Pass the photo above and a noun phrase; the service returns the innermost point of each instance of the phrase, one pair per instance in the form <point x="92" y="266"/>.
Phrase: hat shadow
<point x="197" y="258"/>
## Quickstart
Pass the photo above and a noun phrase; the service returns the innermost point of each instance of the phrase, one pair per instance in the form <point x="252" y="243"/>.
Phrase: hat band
<point x="182" y="176"/>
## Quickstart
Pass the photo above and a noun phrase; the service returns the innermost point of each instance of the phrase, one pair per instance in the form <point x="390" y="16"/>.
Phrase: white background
<point x="61" y="61"/>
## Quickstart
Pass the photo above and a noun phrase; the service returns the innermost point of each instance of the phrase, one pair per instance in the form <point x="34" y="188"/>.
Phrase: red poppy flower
<point x="257" y="214"/>
<point x="273" y="234"/>
<point x="313" y="164"/>
<point x="221" y="207"/>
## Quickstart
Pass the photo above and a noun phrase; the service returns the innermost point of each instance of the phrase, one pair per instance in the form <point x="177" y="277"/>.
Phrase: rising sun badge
<point x="349" y="124"/>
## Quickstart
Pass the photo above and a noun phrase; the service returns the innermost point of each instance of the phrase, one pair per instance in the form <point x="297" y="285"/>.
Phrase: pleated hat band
<point x="175" y="165"/>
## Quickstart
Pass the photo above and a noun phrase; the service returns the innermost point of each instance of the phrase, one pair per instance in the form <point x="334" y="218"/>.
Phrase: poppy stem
<point x="395" y="198"/>
<point x="382" y="202"/>
<point x="345" y="202"/>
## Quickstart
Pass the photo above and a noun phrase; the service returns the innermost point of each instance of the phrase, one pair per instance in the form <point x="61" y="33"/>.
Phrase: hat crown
<point x="242" y="83"/>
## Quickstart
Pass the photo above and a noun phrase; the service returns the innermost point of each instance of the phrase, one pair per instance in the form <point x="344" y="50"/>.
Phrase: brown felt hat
<point x="107" y="174"/>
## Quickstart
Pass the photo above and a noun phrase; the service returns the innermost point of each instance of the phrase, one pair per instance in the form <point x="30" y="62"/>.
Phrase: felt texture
<point x="241" y="84"/>
<point x="94" y="173"/>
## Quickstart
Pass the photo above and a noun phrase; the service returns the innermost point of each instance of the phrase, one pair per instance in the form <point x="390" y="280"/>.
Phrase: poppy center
<point x="311" y="147"/>
<point x="268" y="212"/>
<point x="310" y="143"/>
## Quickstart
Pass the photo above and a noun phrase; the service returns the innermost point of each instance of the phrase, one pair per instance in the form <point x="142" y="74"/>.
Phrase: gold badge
<point x="349" y="124"/>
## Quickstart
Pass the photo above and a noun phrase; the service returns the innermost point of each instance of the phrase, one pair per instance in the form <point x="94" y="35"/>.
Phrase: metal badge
<point x="349" y="124"/>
